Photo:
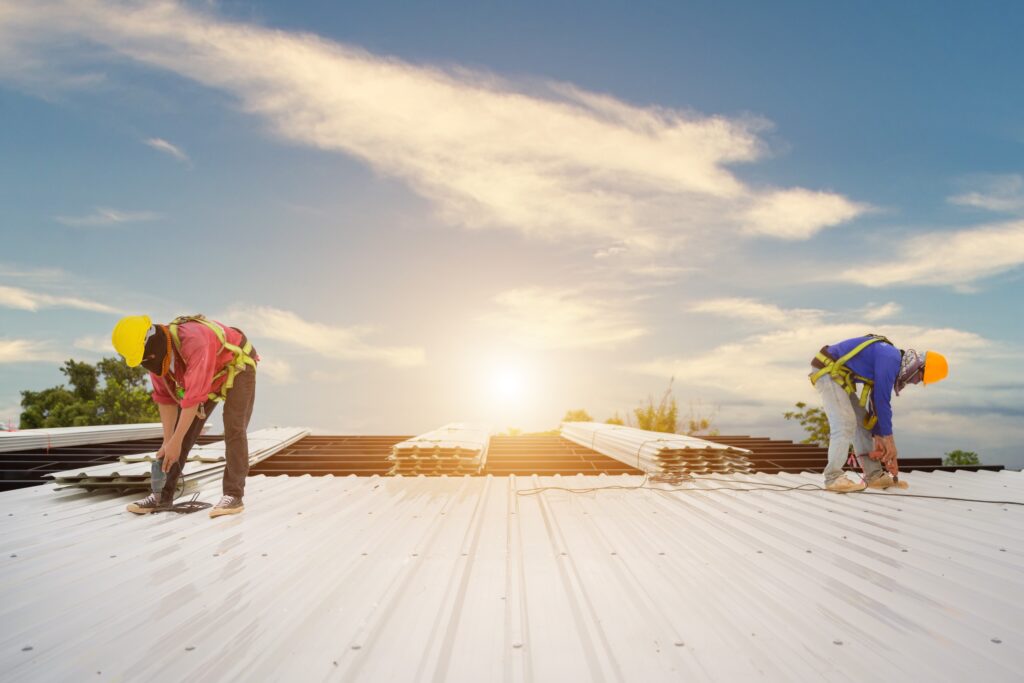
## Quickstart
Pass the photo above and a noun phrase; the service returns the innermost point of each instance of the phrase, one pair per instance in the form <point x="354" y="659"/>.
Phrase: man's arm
<point x="168" y="414"/>
<point x="172" y="448"/>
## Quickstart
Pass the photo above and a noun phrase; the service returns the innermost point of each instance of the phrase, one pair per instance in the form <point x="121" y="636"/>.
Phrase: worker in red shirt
<point x="194" y="363"/>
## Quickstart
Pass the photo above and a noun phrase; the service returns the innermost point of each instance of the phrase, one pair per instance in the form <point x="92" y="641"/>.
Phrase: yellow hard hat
<point x="129" y="338"/>
<point x="935" y="367"/>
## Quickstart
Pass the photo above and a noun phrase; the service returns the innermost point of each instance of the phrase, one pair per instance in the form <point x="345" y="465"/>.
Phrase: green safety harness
<point x="847" y="378"/>
<point x="242" y="355"/>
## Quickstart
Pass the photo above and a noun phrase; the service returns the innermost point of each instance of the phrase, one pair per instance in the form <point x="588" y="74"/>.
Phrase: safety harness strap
<point x="845" y="377"/>
<point x="241" y="355"/>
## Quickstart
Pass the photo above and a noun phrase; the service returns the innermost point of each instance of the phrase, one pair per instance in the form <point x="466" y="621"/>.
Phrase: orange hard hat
<point x="935" y="367"/>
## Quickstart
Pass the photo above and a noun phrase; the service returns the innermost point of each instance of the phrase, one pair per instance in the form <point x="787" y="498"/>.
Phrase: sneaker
<point x="844" y="485"/>
<point x="882" y="481"/>
<point x="150" y="503"/>
<point x="228" y="505"/>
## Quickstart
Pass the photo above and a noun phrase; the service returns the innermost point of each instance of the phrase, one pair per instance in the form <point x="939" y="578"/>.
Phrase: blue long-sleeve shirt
<point x="879" y="362"/>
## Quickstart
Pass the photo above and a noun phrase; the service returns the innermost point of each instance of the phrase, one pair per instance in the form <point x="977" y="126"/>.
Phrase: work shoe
<point x="228" y="505"/>
<point x="844" y="485"/>
<point x="150" y="503"/>
<point x="883" y="481"/>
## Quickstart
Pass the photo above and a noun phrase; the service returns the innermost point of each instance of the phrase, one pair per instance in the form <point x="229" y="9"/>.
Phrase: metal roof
<point x="31" y="467"/>
<point x="461" y="579"/>
<point x="540" y="454"/>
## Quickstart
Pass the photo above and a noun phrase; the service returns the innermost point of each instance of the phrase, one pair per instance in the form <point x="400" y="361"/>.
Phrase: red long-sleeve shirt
<point x="201" y="351"/>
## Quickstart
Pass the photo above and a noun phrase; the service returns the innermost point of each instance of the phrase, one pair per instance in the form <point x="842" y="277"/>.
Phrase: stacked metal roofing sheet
<point x="57" y="437"/>
<point x="484" y="578"/>
<point x="456" y="448"/>
<point x="669" y="457"/>
<point x="204" y="462"/>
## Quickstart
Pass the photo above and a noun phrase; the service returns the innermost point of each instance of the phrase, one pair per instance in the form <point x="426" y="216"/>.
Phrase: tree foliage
<point x="700" y="421"/>
<point x="959" y="457"/>
<point x="813" y="420"/>
<point x="122" y="399"/>
<point x="660" y="417"/>
<point x="577" y="416"/>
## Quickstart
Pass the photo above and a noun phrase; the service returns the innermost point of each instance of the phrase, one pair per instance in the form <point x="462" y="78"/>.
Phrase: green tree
<point x="813" y="420"/>
<point x="701" y="422"/>
<point x="959" y="457"/>
<point x="615" y="420"/>
<point x="577" y="416"/>
<point x="123" y="398"/>
<point x="660" y="417"/>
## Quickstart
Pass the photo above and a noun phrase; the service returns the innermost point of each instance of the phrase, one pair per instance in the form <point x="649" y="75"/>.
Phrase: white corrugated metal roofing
<point x="402" y="579"/>
<point x="59" y="437"/>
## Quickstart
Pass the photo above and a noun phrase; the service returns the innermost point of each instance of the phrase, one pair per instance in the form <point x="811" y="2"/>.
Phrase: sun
<point x="507" y="383"/>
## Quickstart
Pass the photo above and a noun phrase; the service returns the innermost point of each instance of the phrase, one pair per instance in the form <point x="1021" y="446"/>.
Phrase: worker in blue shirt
<point x="865" y="419"/>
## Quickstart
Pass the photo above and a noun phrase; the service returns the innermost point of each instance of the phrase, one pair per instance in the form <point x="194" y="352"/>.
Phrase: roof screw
<point x="517" y="645"/>
<point x="837" y="642"/>
<point x="680" y="643"/>
<point x="264" y="554"/>
<point x="14" y="555"/>
<point x="997" y="641"/>
<point x="189" y="648"/>
<point x="1002" y="550"/>
<point x="357" y="647"/>
<point x="113" y="556"/>
<point x="760" y="552"/>
<point x="808" y="551"/>
<point x="27" y="648"/>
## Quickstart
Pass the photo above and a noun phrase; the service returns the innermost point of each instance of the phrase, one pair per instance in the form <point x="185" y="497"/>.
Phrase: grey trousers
<point x="237" y="412"/>
<point x="845" y="424"/>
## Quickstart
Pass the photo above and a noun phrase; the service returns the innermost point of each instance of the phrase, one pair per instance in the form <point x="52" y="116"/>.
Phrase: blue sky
<point x="450" y="211"/>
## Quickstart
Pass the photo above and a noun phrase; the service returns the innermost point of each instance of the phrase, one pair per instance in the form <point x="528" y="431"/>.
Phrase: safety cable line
<point x="759" y="486"/>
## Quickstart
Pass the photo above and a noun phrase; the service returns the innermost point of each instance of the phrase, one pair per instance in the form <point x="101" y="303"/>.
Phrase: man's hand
<point x="171" y="452"/>
<point x="888" y="448"/>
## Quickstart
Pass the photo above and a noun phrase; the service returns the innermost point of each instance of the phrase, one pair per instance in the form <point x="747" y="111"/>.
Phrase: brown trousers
<point x="237" y="412"/>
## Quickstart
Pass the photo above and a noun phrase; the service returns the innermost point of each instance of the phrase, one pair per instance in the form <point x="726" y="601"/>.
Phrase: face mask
<point x="911" y="365"/>
<point x="157" y="357"/>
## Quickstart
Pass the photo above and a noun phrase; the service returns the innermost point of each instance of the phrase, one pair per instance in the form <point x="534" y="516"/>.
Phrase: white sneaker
<point x="882" y="481"/>
<point x="844" y="485"/>
<point x="228" y="505"/>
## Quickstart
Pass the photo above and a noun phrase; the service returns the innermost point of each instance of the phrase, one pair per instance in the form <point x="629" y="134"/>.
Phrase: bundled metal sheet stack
<point x="204" y="462"/>
<point x="59" y="437"/>
<point x="457" y="448"/>
<point x="665" y="457"/>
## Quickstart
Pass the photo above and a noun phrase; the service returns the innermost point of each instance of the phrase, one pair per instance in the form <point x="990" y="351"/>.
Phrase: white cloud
<point x="165" y="147"/>
<point x="562" y="319"/>
<point x="754" y="311"/>
<point x="772" y="367"/>
<point x="26" y="300"/>
<point x="102" y="216"/>
<point x="876" y="312"/>
<point x="547" y="159"/>
<point x="26" y="351"/>
<point x="797" y="213"/>
<point x="279" y="371"/>
<point x="95" y="344"/>
<point x="342" y="343"/>
<point x="955" y="258"/>
<point x="1002" y="193"/>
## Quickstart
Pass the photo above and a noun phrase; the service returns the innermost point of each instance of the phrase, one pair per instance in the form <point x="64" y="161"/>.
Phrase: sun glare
<point x="507" y="384"/>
